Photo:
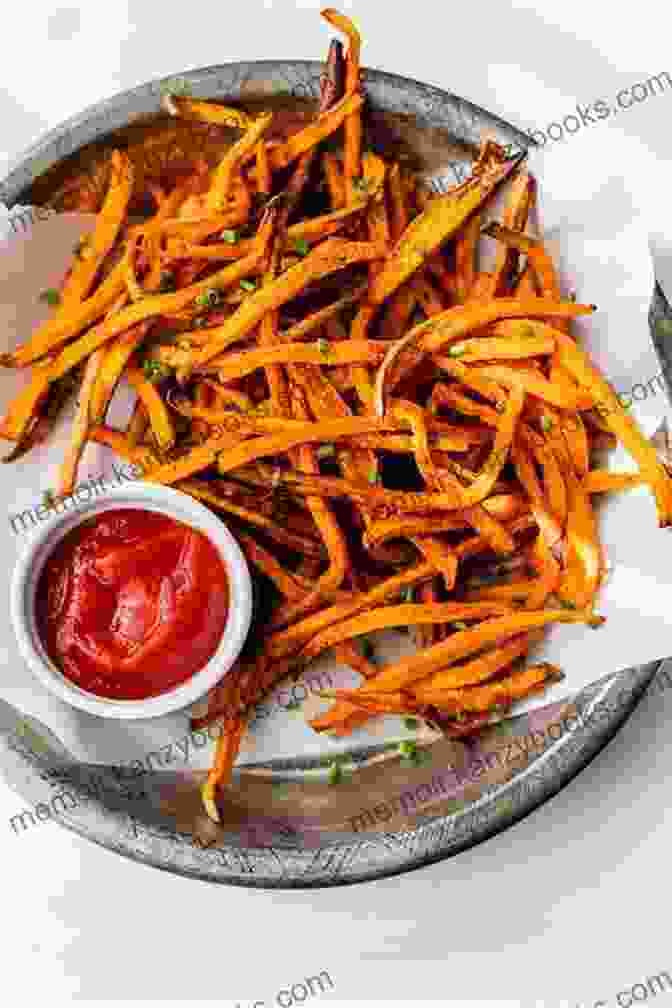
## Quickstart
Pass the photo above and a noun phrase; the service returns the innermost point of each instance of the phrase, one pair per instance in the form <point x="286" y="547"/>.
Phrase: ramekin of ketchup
<point x="132" y="606"/>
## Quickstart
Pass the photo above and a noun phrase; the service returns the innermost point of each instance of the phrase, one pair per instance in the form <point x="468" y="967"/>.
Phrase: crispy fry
<point x="157" y="411"/>
<point x="400" y="616"/>
<point x="236" y="365"/>
<point x="333" y="255"/>
<point x="475" y="671"/>
<point x="228" y="746"/>
<point x="108" y="224"/>
<point x="114" y="360"/>
<point x="466" y="642"/>
<point x="149" y="307"/>
<point x="273" y="529"/>
<point x="602" y="481"/>
<point x="620" y="423"/>
<point x="484" y="348"/>
<point x="55" y="332"/>
<point x="288" y="641"/>
<point x="520" y="200"/>
<point x="80" y="427"/>
<point x="24" y="409"/>
<point x="501" y="692"/>
<point x="329" y="528"/>
<point x="333" y="173"/>
<point x="442" y="219"/>
<point x="353" y="122"/>
<point x="234" y="157"/>
<point x="208" y="111"/>
<point x="138" y="423"/>
<point x="323" y="127"/>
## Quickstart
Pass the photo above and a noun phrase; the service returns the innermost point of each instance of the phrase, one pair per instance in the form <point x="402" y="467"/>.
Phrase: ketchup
<point x="132" y="603"/>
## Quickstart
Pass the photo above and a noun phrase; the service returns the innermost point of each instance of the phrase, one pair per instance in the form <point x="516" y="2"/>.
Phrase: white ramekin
<point x="148" y="497"/>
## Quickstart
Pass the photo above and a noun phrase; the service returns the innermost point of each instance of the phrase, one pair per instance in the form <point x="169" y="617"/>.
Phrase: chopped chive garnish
<point x="335" y="773"/>
<point x="50" y="297"/>
<point x="546" y="423"/>
<point x="155" y="371"/>
<point x="407" y="594"/>
<point x="323" y="346"/>
<point x="248" y="285"/>
<point x="301" y="247"/>
<point x="456" y="350"/>
<point x="326" y="451"/>
<point x="460" y="625"/>
<point x="373" y="476"/>
<point x="230" y="236"/>
<point x="209" y="299"/>
<point x="408" y="750"/>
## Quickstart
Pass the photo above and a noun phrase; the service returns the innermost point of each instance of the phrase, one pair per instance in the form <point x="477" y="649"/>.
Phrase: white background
<point x="567" y="907"/>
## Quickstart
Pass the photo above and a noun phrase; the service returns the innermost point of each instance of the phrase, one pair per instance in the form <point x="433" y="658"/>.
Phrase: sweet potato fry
<point x="333" y="255"/>
<point x="55" y="332"/>
<point x="477" y="670"/>
<point x="24" y="409"/>
<point x="440" y="221"/>
<point x="400" y="616"/>
<point x="114" y="360"/>
<point x="208" y="111"/>
<point x="149" y="307"/>
<point x="620" y="423"/>
<point x="323" y="127"/>
<point x="108" y="224"/>
<point x="603" y="481"/>
<point x="159" y="417"/>
<point x="501" y="692"/>
<point x="234" y="157"/>
<point x="80" y="427"/>
<point x="466" y="642"/>
<point x="333" y="173"/>
<point x="273" y="529"/>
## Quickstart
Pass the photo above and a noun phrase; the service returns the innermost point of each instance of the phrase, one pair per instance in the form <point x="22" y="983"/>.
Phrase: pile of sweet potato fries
<point x="399" y="437"/>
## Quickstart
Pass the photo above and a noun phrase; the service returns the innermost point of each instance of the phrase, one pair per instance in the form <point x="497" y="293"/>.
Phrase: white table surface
<point x="567" y="907"/>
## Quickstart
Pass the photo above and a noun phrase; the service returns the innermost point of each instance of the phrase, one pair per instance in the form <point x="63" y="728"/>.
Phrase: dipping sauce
<point x="132" y="603"/>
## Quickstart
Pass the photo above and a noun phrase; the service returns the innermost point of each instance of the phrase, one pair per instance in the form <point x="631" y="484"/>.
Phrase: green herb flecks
<point x="50" y="297"/>
<point x="210" y="298"/>
<point x="155" y="371"/>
